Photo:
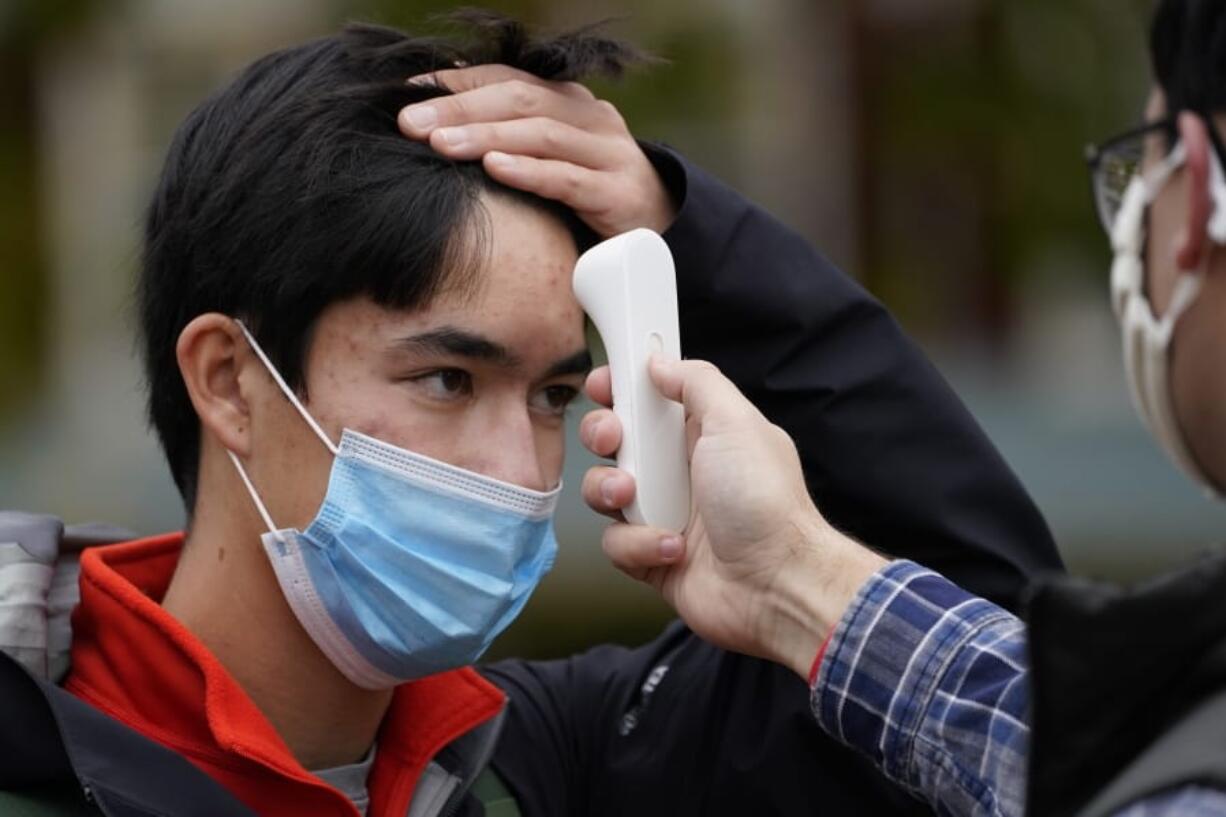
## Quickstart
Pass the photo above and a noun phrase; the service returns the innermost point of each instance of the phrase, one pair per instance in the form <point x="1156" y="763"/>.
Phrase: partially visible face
<point x="1198" y="371"/>
<point x="480" y="380"/>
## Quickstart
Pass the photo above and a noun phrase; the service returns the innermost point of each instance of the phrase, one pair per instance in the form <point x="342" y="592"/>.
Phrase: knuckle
<point x="553" y="137"/>
<point x="577" y="89"/>
<point x="524" y="97"/>
<point x="453" y="109"/>
<point x="781" y="437"/>
<point x="572" y="181"/>
<point x="608" y="113"/>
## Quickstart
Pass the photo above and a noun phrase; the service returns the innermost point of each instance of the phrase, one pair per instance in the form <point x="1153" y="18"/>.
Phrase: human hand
<point x="759" y="570"/>
<point x="554" y="139"/>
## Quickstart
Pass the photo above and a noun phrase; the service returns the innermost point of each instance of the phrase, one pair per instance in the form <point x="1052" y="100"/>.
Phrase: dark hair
<point x="291" y="189"/>
<point x="1188" y="51"/>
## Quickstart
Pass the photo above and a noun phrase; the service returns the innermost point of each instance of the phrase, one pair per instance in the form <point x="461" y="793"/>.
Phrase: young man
<point x="1125" y="689"/>
<point x="359" y="346"/>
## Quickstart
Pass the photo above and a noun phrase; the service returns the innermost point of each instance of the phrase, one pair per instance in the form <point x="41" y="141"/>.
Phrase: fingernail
<point x="587" y="433"/>
<point x="606" y="491"/>
<point x="422" y="81"/>
<point x="500" y="159"/>
<point x="454" y="136"/>
<point x="670" y="547"/>
<point x="421" y="117"/>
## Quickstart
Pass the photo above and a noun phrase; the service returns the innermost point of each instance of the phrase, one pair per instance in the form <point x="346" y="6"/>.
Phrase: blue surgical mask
<point x="412" y="566"/>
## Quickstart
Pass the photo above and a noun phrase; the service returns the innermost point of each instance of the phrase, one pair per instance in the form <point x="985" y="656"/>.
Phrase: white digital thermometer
<point x="628" y="287"/>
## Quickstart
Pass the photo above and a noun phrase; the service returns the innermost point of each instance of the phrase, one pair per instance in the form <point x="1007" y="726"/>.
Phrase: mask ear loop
<point x="1152" y="391"/>
<point x="255" y="497"/>
<point x="293" y="398"/>
<point x="286" y="390"/>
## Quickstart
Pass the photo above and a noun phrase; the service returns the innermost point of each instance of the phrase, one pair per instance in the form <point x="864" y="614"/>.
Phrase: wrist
<point x="661" y="199"/>
<point x="813" y="592"/>
<point x="660" y="211"/>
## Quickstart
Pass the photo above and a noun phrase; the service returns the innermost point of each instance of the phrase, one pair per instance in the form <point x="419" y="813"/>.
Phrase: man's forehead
<point x="460" y="330"/>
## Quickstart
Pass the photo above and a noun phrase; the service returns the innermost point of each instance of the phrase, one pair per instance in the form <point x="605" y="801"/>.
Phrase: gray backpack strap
<point x="494" y="795"/>
<point x="1192" y="751"/>
<point x="29" y="546"/>
<point x="39" y="568"/>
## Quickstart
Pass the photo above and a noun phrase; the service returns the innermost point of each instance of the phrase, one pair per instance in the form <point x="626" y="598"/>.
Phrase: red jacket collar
<point x="137" y="663"/>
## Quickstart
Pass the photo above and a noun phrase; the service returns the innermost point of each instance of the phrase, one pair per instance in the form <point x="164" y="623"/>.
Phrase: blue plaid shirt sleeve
<point x="930" y="683"/>
<point x="1189" y="801"/>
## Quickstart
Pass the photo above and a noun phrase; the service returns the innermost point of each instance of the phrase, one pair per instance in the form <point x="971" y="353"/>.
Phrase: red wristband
<point x="817" y="662"/>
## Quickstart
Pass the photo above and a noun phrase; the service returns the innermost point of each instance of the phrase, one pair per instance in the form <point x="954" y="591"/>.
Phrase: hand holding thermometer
<point x="628" y="287"/>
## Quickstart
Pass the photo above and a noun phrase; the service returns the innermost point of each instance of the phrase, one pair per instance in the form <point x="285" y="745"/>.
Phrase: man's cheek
<point x="399" y="428"/>
<point x="552" y="451"/>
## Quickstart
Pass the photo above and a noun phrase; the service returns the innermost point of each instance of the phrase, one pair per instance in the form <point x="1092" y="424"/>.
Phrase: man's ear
<point x="1193" y="240"/>
<point x="210" y="351"/>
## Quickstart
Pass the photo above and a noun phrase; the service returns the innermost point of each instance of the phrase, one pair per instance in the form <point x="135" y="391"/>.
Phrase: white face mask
<point x="1147" y="338"/>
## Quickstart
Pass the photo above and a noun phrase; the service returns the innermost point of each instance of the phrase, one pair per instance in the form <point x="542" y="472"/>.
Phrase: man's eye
<point x="446" y="384"/>
<point x="554" y="399"/>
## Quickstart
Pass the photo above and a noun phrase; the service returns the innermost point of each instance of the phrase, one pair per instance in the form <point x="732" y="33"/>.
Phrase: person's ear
<point x="210" y="351"/>
<point x="1193" y="240"/>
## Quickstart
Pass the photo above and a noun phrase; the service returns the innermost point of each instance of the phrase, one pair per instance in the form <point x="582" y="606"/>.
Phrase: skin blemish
<point x="381" y="426"/>
<point x="221" y="554"/>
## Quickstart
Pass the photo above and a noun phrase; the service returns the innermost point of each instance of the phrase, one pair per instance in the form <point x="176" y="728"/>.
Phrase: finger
<point x="636" y="549"/>
<point x="539" y="137"/>
<point x="601" y="432"/>
<point x="458" y="80"/>
<point x="468" y="78"/>
<point x="599" y="386"/>
<point x="579" y="188"/>
<point x="501" y="102"/>
<point x="607" y="490"/>
<point x="700" y="387"/>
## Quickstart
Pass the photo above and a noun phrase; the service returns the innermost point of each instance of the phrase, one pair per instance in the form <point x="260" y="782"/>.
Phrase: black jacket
<point x="679" y="727"/>
<point x="1128" y="689"/>
<point x="891" y="457"/>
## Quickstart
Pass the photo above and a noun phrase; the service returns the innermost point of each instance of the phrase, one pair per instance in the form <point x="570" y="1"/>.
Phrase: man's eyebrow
<point x="578" y="363"/>
<point x="451" y="340"/>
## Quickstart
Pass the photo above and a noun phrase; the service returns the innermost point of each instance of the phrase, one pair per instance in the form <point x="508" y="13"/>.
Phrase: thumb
<point x="700" y="387"/>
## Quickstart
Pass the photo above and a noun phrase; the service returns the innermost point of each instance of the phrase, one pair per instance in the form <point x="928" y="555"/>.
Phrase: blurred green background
<point x="931" y="149"/>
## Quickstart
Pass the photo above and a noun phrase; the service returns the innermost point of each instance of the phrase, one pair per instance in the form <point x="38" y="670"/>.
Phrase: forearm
<point x="930" y="683"/>
<point x="890" y="454"/>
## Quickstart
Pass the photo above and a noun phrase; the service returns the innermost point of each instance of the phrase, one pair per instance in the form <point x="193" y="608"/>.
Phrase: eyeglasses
<point x="1116" y="162"/>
